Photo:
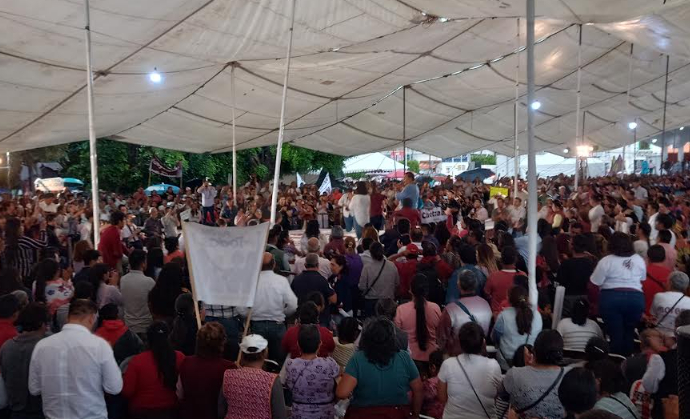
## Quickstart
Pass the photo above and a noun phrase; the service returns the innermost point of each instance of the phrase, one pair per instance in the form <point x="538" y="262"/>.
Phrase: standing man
<point x="409" y="190"/>
<point x="208" y="196"/>
<point x="376" y="210"/>
<point x="72" y="369"/>
<point x="135" y="288"/>
<point x="273" y="301"/>
<point x="111" y="247"/>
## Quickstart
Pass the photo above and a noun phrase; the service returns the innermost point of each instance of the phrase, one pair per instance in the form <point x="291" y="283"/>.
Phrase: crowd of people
<point x="366" y="305"/>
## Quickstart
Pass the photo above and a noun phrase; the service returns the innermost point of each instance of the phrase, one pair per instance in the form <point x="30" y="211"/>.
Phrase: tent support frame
<point x="281" y="130"/>
<point x="531" y="161"/>
<point x="93" y="154"/>
<point x="578" y="134"/>
<point x="515" y="118"/>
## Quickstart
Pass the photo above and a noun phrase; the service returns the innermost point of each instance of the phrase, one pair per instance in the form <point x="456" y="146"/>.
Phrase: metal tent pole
<point x="625" y="145"/>
<point x="404" y="130"/>
<point x="281" y="131"/>
<point x="234" y="147"/>
<point x="531" y="161"/>
<point x="578" y="141"/>
<point x="515" y="118"/>
<point x="663" y="129"/>
<point x="92" y="133"/>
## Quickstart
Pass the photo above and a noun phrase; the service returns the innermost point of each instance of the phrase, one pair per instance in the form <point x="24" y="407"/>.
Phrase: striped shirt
<point x="620" y="405"/>
<point x="26" y="255"/>
<point x="575" y="336"/>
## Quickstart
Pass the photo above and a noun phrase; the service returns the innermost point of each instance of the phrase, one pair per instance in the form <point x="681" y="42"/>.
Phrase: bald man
<point x="314" y="246"/>
<point x="274" y="301"/>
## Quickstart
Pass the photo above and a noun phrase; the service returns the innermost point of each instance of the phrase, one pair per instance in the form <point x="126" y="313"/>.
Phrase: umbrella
<point x="161" y="188"/>
<point x="72" y="180"/>
<point x="471" y="175"/>
<point x="398" y="174"/>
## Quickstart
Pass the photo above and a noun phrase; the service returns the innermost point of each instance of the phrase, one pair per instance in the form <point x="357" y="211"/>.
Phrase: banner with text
<point x="433" y="215"/>
<point x="495" y="190"/>
<point x="158" y="167"/>
<point x="225" y="262"/>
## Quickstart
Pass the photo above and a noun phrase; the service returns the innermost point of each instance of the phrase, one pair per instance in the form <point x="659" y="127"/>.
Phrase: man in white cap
<point x="250" y="391"/>
<point x="273" y="301"/>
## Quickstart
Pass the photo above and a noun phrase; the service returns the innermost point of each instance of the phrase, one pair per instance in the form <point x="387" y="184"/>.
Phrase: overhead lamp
<point x="443" y="19"/>
<point x="584" y="150"/>
<point x="536" y="105"/>
<point x="632" y="125"/>
<point x="653" y="140"/>
<point x="681" y="128"/>
<point x="155" y="76"/>
<point x="566" y="150"/>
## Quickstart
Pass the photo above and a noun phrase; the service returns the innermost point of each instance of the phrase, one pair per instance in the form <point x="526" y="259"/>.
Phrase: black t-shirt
<point x="574" y="275"/>
<point x="309" y="281"/>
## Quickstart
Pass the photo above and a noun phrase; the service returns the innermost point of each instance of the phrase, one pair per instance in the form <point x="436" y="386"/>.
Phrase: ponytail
<point x="420" y="290"/>
<point x="519" y="299"/>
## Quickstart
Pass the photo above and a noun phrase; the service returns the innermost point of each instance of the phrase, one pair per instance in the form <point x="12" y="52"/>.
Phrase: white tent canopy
<point x="371" y="162"/>
<point x="350" y="60"/>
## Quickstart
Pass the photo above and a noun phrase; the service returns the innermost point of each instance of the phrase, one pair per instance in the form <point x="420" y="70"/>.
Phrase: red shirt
<point x="497" y="286"/>
<point x="376" y="207"/>
<point x="111" y="246"/>
<point x="290" y="345"/>
<point x="657" y="276"/>
<point x="202" y="379"/>
<point x="411" y="214"/>
<point x="112" y="330"/>
<point x="7" y="330"/>
<point x="143" y="386"/>
<point x="406" y="270"/>
<point x="170" y="256"/>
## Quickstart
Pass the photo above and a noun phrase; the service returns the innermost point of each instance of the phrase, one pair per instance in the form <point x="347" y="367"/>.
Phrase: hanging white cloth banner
<point x="326" y="184"/>
<point x="281" y="130"/>
<point x="225" y="263"/>
<point x="300" y="181"/>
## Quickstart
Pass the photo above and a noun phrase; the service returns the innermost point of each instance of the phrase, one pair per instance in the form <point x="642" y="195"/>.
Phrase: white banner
<point x="326" y="184"/>
<point x="225" y="262"/>
<point x="433" y="215"/>
<point x="300" y="181"/>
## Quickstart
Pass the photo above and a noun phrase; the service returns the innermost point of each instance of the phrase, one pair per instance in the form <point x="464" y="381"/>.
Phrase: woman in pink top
<point x="419" y="319"/>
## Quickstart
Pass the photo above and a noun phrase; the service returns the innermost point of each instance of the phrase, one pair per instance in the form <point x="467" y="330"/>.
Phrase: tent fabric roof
<point x="350" y="61"/>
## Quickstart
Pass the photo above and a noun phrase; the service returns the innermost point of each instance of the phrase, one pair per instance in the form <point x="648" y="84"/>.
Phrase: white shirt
<point x="481" y="214"/>
<point x="620" y="272"/>
<point x="517" y="213"/>
<point x="654" y="232"/>
<point x="274" y="299"/>
<point x="595" y="215"/>
<point x="71" y="370"/>
<point x="640" y="193"/>
<point x="49" y="208"/>
<point x="575" y="336"/>
<point x="485" y="375"/>
<point x="208" y="195"/>
<point x="344" y="202"/>
<point x="324" y="267"/>
<point x="359" y="208"/>
<point x="662" y="303"/>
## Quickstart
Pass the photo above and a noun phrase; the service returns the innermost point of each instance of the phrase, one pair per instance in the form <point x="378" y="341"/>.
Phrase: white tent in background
<point x="371" y="163"/>
<point x="549" y="164"/>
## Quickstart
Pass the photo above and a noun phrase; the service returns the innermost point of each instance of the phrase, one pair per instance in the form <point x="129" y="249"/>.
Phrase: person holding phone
<point x="208" y="195"/>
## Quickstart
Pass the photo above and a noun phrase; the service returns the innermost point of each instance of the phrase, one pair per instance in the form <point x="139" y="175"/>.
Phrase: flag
<point x="326" y="184"/>
<point x="158" y="167"/>
<point x="300" y="181"/>
<point x="225" y="262"/>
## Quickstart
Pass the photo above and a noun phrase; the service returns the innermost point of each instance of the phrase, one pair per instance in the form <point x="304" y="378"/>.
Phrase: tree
<point x="483" y="159"/>
<point x="413" y="166"/>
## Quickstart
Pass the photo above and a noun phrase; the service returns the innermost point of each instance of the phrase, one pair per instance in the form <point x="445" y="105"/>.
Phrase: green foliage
<point x="123" y="167"/>
<point x="483" y="158"/>
<point x="413" y="166"/>
<point x="643" y="145"/>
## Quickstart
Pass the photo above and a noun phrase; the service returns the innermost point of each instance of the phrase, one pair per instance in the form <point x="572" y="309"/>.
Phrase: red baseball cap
<point x="412" y="248"/>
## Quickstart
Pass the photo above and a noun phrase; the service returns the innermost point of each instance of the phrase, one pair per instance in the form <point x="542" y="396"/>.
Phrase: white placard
<point x="433" y="215"/>
<point x="225" y="262"/>
<point x="186" y="215"/>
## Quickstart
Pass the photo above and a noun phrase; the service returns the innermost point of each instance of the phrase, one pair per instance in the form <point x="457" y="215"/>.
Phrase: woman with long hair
<point x="376" y="393"/>
<point x="49" y="287"/>
<point x="184" y="328"/>
<point x="379" y="279"/>
<point x="201" y="375"/>
<point x="78" y="258"/>
<point x="359" y="207"/>
<point x="20" y="249"/>
<point x="419" y="318"/>
<point x="312" y="230"/>
<point x="354" y="271"/>
<point x="150" y="380"/>
<point x="621" y="302"/>
<point x="104" y="281"/>
<point x="486" y="259"/>
<point x="163" y="295"/>
<point x="340" y="272"/>
<point x="516" y="325"/>
<point x="578" y="329"/>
